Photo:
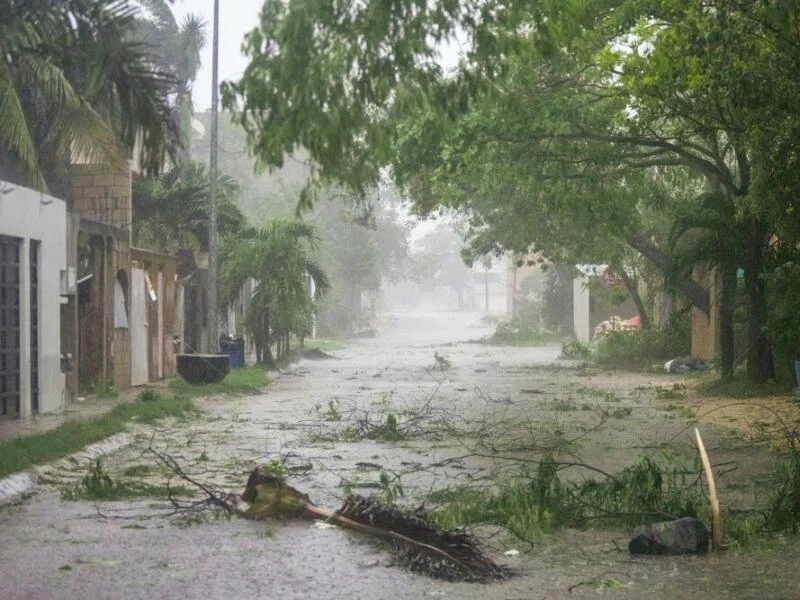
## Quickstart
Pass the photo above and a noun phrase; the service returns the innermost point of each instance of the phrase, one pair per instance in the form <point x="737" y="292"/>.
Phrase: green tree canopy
<point x="565" y="123"/>
<point x="75" y="84"/>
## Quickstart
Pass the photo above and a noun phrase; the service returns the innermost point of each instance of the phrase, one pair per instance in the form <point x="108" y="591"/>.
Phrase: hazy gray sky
<point x="236" y="17"/>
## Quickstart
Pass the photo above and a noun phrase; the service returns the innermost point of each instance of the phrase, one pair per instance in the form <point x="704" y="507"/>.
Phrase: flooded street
<point x="424" y="403"/>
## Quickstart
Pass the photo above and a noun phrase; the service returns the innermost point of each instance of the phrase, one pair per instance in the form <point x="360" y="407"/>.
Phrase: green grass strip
<point x="24" y="452"/>
<point x="250" y="380"/>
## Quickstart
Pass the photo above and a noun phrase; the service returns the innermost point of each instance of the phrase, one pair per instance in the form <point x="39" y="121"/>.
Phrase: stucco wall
<point x="31" y="215"/>
<point x="705" y="328"/>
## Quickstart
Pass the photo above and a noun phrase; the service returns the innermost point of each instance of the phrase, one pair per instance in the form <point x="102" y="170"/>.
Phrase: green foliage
<point x="648" y="491"/>
<point x="784" y="319"/>
<point x="362" y="244"/>
<point x="575" y="350"/>
<point x="170" y="212"/>
<point x="336" y="51"/>
<point x="331" y="412"/>
<point x="149" y="396"/>
<point x="642" y="349"/>
<point x="279" y="259"/>
<point x="391" y="487"/>
<point x="99" y="486"/>
<point x="575" y="132"/>
<point x="21" y="453"/>
<point x="520" y="331"/>
<point x="387" y="431"/>
<point x="80" y="85"/>
<point x="103" y="389"/>
<point x="96" y="485"/>
<point x="277" y="468"/>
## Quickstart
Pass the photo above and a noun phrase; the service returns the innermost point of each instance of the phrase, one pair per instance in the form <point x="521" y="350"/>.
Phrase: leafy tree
<point x="575" y="112"/>
<point x="170" y="212"/>
<point x="438" y="262"/>
<point x="361" y="248"/>
<point x="263" y="195"/>
<point x="278" y="259"/>
<point x="75" y="83"/>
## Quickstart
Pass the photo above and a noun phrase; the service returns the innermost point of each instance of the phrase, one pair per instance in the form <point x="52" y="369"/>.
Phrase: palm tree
<point x="74" y="84"/>
<point x="277" y="258"/>
<point x="170" y="212"/>
<point x="178" y="49"/>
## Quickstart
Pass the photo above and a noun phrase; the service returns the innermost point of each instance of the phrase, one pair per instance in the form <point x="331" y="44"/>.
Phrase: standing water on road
<point x="419" y="409"/>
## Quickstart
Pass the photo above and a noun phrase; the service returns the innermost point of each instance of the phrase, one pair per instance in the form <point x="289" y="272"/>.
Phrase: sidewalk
<point x="19" y="485"/>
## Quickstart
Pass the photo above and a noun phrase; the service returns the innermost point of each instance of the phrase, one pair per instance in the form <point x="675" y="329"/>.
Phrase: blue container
<point x="237" y="359"/>
<point x="233" y="348"/>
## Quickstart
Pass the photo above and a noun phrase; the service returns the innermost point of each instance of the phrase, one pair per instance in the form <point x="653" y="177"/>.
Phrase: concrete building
<point x="33" y="277"/>
<point x="590" y="307"/>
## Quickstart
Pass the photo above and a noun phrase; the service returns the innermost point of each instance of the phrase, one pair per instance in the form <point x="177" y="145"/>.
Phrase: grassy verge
<point x="250" y="380"/>
<point x="739" y="388"/>
<point x="21" y="453"/>
<point x="326" y="345"/>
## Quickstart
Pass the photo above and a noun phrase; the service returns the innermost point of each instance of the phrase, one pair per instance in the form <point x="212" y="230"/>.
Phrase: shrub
<point x="643" y="349"/>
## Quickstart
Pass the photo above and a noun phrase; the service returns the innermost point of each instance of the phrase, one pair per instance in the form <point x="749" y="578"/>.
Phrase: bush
<point x="643" y="349"/>
<point x="519" y="331"/>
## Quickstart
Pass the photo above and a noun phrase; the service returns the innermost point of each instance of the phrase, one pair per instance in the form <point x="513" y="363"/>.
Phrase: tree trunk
<point x="630" y="286"/>
<point x="727" y="298"/>
<point x="691" y="289"/>
<point x="268" y="358"/>
<point x="760" y="365"/>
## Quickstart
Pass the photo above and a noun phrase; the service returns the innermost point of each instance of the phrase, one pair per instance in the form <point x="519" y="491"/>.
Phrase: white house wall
<point x="580" y="309"/>
<point x="30" y="215"/>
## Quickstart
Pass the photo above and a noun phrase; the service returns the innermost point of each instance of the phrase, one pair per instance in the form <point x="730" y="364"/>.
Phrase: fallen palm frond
<point x="420" y="545"/>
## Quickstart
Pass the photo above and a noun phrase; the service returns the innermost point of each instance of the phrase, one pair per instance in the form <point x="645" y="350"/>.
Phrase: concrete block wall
<point x="102" y="196"/>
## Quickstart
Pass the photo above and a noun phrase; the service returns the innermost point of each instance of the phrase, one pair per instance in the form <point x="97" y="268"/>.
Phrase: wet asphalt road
<point x="56" y="549"/>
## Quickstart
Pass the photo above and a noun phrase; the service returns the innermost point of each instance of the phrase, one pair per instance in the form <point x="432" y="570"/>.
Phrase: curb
<point x="16" y="487"/>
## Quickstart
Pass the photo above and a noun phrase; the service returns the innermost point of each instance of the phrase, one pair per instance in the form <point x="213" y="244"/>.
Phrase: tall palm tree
<point x="278" y="259"/>
<point x="74" y="84"/>
<point x="178" y="47"/>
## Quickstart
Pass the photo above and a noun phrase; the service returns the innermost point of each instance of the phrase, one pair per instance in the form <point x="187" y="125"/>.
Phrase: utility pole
<point x="213" y="317"/>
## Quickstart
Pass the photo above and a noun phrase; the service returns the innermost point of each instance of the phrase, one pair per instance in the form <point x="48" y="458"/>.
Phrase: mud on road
<point x="426" y="405"/>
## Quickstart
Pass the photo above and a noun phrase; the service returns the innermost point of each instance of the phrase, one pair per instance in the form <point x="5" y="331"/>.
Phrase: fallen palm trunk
<point x="420" y="545"/>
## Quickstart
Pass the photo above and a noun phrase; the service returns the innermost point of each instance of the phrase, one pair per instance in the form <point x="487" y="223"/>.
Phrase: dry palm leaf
<point x="420" y="545"/>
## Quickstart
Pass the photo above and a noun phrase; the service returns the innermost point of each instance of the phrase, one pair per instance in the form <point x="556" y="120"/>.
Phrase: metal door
<point x="10" y="325"/>
<point x="139" y="337"/>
